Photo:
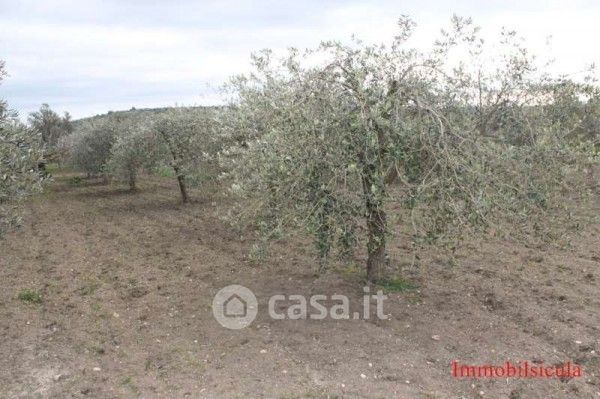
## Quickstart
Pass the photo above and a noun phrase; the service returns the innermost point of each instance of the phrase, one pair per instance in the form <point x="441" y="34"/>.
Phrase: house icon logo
<point x="235" y="307"/>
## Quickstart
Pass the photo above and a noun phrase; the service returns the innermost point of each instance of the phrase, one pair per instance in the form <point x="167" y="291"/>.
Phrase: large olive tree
<point x="333" y="139"/>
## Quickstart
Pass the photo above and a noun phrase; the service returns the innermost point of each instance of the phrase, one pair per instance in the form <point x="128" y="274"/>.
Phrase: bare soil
<point x="127" y="281"/>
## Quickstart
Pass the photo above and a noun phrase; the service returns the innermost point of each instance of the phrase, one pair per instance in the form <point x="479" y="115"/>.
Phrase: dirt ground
<point x="127" y="282"/>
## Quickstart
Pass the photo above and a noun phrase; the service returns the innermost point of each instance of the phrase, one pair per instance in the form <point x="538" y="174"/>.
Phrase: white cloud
<point x="93" y="56"/>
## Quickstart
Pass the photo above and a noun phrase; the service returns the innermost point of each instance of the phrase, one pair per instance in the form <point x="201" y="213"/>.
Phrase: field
<point x="107" y="294"/>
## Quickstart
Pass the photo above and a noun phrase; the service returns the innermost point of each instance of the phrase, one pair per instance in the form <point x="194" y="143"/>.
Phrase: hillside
<point x="133" y="112"/>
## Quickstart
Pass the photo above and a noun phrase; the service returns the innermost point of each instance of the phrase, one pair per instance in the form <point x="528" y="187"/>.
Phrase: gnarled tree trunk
<point x="182" y="186"/>
<point x="376" y="226"/>
<point x="373" y="190"/>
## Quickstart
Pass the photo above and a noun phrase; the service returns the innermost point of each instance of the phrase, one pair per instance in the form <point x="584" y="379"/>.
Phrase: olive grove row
<point x="462" y="137"/>
<point x="188" y="140"/>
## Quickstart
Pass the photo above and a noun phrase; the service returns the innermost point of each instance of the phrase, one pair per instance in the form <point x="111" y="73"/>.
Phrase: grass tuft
<point x="396" y="284"/>
<point x="30" y="296"/>
<point x="75" y="180"/>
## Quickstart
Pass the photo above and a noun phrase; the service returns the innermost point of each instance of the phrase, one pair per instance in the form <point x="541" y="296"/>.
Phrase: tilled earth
<point x="127" y="282"/>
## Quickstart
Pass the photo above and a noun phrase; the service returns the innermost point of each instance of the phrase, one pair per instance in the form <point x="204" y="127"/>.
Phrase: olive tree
<point x="91" y="144"/>
<point x="192" y="140"/>
<point x="136" y="148"/>
<point x="574" y="110"/>
<point x="335" y="138"/>
<point x="20" y="152"/>
<point x="50" y="125"/>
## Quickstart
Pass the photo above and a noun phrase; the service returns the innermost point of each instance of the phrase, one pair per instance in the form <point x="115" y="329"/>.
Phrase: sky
<point x="91" y="56"/>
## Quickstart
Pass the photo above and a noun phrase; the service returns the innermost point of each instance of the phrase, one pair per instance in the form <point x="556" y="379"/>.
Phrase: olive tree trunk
<point x="182" y="185"/>
<point x="376" y="226"/>
<point x="373" y="190"/>
<point x="132" y="181"/>
<point x="176" y="158"/>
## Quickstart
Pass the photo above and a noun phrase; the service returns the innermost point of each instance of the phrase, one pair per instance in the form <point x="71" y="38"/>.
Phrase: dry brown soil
<point x="127" y="282"/>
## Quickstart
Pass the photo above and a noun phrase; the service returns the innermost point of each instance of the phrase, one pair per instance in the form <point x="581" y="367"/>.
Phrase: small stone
<point x="578" y="342"/>
<point x="263" y="351"/>
<point x="435" y="337"/>
<point x="363" y="376"/>
<point x="97" y="369"/>
<point x="370" y="364"/>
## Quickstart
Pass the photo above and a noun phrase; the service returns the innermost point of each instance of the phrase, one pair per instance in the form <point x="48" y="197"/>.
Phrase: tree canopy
<point x="338" y="135"/>
<point x="20" y="153"/>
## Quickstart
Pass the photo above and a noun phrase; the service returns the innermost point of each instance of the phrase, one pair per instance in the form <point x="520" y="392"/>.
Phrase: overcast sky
<point x="92" y="56"/>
